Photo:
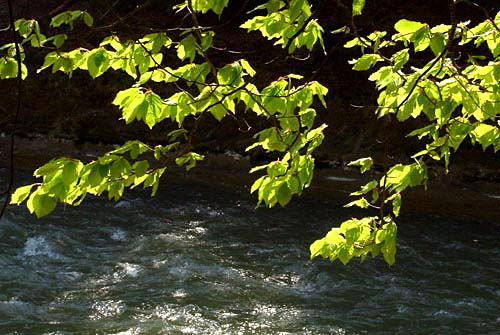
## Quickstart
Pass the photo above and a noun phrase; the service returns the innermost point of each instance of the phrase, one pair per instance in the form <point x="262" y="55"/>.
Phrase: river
<point x="201" y="260"/>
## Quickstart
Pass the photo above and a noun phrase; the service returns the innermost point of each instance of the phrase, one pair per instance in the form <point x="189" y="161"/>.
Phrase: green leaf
<point x="70" y="173"/>
<point x="365" y="164"/>
<point x="41" y="204"/>
<point x="399" y="177"/>
<point x="95" y="177"/>
<point x="486" y="135"/>
<point x="271" y="6"/>
<point x="218" y="111"/>
<point x="60" y="19"/>
<point x="8" y="68"/>
<point x="343" y="30"/>
<point x="389" y="247"/>
<point x="458" y="129"/>
<point x="115" y="190"/>
<point x="277" y="168"/>
<point x="357" y="7"/>
<point x="362" y="203"/>
<point x="50" y="59"/>
<point x="140" y="168"/>
<point x="493" y="42"/>
<point x="365" y="62"/>
<point x="186" y="49"/>
<point x="257" y="184"/>
<point x="230" y="75"/>
<point x="424" y="131"/>
<point x="189" y="160"/>
<point x="120" y="168"/>
<point x="345" y="255"/>
<point x="98" y="63"/>
<point x="69" y="18"/>
<point x="175" y="134"/>
<point x="366" y="188"/>
<point x="87" y="19"/>
<point x="137" y="105"/>
<point x="421" y="39"/>
<point x="59" y="40"/>
<point x="317" y="248"/>
<point x="353" y="43"/>
<point x="47" y="169"/>
<point x="380" y="236"/>
<point x="246" y="66"/>
<point x="407" y="27"/>
<point x="383" y="76"/>
<point x="206" y="40"/>
<point x="203" y="6"/>
<point x="284" y="194"/>
<point x="396" y="204"/>
<point x="438" y="43"/>
<point x="399" y="59"/>
<point x="20" y="194"/>
<point x="24" y="27"/>
<point x="320" y="91"/>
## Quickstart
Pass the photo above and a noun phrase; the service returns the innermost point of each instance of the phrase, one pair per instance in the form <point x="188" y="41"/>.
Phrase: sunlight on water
<point x="106" y="309"/>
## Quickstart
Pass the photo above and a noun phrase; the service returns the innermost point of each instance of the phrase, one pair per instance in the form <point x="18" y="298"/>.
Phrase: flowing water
<point x="197" y="260"/>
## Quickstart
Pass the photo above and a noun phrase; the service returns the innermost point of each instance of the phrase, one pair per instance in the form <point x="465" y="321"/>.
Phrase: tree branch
<point x="16" y="113"/>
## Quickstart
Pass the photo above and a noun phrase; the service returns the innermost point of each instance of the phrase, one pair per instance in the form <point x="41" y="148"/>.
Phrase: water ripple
<point x="195" y="262"/>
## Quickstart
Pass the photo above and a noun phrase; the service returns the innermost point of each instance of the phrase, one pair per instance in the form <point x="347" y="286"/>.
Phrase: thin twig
<point x="16" y="113"/>
<point x="126" y="17"/>
<point x="197" y="30"/>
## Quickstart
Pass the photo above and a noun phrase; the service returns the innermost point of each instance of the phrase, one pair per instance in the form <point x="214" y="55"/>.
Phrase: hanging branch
<point x="16" y="113"/>
<point x="62" y="7"/>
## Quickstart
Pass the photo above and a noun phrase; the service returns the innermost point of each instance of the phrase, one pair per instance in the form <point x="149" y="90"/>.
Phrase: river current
<point x="201" y="260"/>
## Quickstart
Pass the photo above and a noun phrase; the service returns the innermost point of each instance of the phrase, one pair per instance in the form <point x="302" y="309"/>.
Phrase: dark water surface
<point x="195" y="260"/>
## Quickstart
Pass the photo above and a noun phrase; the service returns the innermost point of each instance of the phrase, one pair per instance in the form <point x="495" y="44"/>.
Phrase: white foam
<point x="123" y="204"/>
<point x="38" y="246"/>
<point x="71" y="275"/>
<point x="131" y="270"/>
<point x="494" y="196"/>
<point x="179" y="294"/>
<point x="119" y="235"/>
<point x="106" y="309"/>
<point x="189" y="330"/>
<point x="336" y="178"/>
<point x="234" y="155"/>
<point x="131" y="331"/>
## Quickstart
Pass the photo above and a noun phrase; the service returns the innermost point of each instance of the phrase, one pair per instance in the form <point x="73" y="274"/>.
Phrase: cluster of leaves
<point x="289" y="23"/>
<point x="457" y="98"/>
<point x="358" y="238"/>
<point x="199" y="88"/>
<point x="296" y="137"/>
<point x="31" y="33"/>
<point x="68" y="180"/>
